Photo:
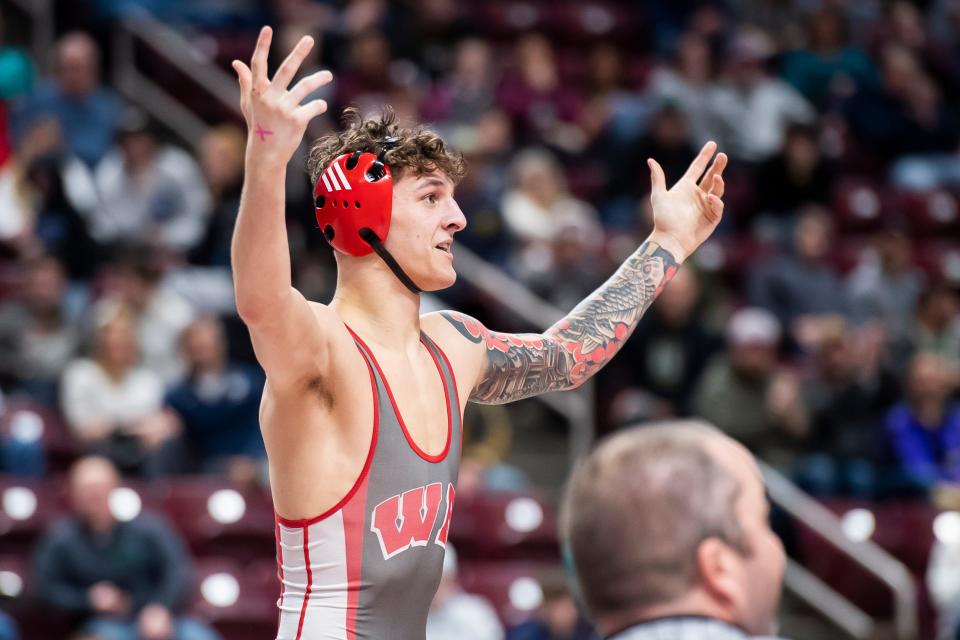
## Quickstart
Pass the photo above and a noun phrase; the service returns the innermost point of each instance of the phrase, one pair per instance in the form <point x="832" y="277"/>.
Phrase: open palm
<point x="688" y="212"/>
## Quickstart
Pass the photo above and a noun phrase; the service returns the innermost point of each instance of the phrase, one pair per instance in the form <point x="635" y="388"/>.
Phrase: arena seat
<point x="929" y="212"/>
<point x="512" y="587"/>
<point x="505" y="525"/>
<point x="859" y="205"/>
<point x="27" y="508"/>
<point x="218" y="518"/>
<point x="59" y="445"/>
<point x="238" y="606"/>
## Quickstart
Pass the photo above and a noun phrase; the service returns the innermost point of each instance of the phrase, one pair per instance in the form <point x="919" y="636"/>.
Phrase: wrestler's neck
<point x="375" y="304"/>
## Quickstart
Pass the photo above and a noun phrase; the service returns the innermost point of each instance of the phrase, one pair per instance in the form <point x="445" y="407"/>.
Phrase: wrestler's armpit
<point x="568" y="353"/>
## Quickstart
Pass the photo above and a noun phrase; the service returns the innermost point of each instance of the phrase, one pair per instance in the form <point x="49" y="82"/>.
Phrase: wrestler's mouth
<point x="444" y="246"/>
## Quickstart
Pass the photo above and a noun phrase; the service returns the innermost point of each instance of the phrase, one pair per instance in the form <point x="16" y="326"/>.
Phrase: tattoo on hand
<point x="263" y="133"/>
<point x="567" y="354"/>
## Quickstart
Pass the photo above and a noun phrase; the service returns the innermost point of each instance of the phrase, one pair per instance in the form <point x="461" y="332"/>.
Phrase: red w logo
<point x="407" y="520"/>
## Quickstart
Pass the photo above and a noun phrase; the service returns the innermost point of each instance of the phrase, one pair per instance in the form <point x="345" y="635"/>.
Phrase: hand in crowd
<point x="156" y="428"/>
<point x="785" y="404"/>
<point x="107" y="598"/>
<point x="155" y="623"/>
<point x="276" y="121"/>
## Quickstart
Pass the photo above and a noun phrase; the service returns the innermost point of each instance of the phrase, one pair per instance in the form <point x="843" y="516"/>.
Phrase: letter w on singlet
<point x="407" y="520"/>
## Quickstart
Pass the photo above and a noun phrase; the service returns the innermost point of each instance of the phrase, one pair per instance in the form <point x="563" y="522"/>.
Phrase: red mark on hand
<point x="262" y="133"/>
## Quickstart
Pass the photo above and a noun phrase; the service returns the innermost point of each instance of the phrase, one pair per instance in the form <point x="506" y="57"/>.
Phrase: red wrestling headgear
<point x="353" y="193"/>
<point x="354" y="199"/>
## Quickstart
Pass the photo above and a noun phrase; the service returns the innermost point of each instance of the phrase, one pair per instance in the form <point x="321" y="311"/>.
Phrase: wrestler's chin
<point x="439" y="278"/>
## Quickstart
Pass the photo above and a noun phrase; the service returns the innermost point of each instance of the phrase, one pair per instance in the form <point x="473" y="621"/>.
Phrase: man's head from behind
<point x="672" y="519"/>
<point x="425" y="215"/>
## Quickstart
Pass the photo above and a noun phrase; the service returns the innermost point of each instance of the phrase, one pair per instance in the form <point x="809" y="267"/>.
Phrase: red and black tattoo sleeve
<point x="568" y="353"/>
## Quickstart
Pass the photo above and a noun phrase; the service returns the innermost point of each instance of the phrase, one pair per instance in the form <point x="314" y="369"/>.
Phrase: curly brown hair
<point x="419" y="149"/>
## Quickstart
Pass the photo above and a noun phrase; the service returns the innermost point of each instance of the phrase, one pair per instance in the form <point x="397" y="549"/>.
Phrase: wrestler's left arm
<point x="564" y="356"/>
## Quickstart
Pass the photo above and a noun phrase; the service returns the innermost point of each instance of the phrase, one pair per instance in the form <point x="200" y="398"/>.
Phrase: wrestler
<point x="362" y="408"/>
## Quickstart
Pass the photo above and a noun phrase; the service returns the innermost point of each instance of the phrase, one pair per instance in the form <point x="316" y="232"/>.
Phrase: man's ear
<point x="718" y="566"/>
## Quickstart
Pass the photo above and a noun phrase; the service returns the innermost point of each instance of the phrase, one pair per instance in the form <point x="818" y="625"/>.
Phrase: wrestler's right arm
<point x="288" y="332"/>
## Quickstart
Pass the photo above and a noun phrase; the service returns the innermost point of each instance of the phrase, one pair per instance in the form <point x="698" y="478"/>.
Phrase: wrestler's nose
<point x="454" y="220"/>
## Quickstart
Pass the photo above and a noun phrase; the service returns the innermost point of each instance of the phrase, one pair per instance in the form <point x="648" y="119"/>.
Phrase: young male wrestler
<point x="362" y="409"/>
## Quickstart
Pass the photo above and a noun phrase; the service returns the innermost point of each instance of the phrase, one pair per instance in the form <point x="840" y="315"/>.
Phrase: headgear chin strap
<point x="354" y="199"/>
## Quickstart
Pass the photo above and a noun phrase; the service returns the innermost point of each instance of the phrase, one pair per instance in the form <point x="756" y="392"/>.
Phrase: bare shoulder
<point x="462" y="338"/>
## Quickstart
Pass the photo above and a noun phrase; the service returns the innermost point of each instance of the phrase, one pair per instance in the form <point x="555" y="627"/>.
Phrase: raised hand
<point x="686" y="214"/>
<point x="276" y="121"/>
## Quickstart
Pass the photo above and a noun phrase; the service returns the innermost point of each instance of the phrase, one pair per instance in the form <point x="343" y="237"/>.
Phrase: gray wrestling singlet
<point x="368" y="568"/>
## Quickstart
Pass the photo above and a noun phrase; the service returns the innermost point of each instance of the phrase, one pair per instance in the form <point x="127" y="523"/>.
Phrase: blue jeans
<point x="8" y="628"/>
<point x="183" y="629"/>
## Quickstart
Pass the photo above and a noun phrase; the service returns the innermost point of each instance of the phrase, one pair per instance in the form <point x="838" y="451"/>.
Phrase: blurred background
<point x="820" y="325"/>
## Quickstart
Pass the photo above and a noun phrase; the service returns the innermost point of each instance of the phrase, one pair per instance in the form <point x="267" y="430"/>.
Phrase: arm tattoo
<point x="575" y="348"/>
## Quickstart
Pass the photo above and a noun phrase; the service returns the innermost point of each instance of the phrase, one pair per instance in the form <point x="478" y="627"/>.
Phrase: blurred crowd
<point x="820" y="326"/>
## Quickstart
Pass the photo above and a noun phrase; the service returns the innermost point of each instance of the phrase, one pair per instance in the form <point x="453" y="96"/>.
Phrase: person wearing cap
<point x="668" y="528"/>
<point x="745" y="393"/>
<point x="362" y="409"/>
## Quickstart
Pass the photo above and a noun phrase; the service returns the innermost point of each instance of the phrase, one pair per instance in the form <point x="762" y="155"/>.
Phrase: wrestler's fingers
<point x="308" y="85"/>
<point x="700" y="162"/>
<point x="258" y="63"/>
<point x="290" y="65"/>
<point x="658" y="181"/>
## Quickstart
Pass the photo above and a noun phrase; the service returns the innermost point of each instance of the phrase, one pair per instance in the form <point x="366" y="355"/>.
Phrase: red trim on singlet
<point x="446" y="395"/>
<point x="283" y="587"/>
<point x="366" y="465"/>
<point x="354" y="521"/>
<point x="306" y="594"/>
<point x="456" y="391"/>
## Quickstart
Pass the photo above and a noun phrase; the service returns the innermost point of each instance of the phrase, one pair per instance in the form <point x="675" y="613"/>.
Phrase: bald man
<point x="668" y="526"/>
<point x="125" y="580"/>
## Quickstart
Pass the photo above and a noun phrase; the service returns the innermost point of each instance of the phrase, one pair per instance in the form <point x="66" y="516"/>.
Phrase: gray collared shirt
<point x="685" y="628"/>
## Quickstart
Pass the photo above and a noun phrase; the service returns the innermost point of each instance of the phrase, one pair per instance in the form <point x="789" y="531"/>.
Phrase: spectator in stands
<point x="539" y="203"/>
<point x="366" y="81"/>
<point x="668" y="140"/>
<point x="88" y="112"/>
<point x="847" y="398"/>
<point x="152" y="192"/>
<point x="752" y="108"/>
<point x="458" y="615"/>
<point x="906" y="115"/>
<point x="748" y="396"/>
<point x="886" y="285"/>
<point x="115" y="407"/>
<point x="830" y="68"/>
<point x="543" y="109"/>
<point x="125" y="580"/>
<point x="924" y="430"/>
<point x="221" y="159"/>
<point x="798" y="175"/>
<point x="16" y="79"/>
<point x="936" y="328"/>
<point x="557" y="617"/>
<point x="668" y="527"/>
<point x="669" y="350"/>
<point x="801" y="288"/>
<point x="688" y="84"/>
<point x="219" y="405"/>
<point x="38" y="335"/>
<point x="161" y="314"/>
<point x="469" y="91"/>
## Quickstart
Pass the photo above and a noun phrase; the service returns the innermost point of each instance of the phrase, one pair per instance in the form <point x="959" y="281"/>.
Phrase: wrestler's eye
<point x="431" y="198"/>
